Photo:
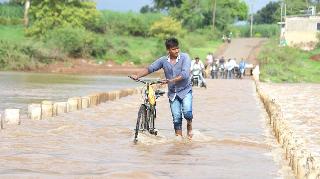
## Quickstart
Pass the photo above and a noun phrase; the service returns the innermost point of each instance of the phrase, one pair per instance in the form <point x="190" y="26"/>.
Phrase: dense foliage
<point x="50" y="14"/>
<point x="126" y="23"/>
<point x="270" y="14"/>
<point x="259" y="30"/>
<point x="10" y="14"/>
<point x="166" y="27"/>
<point x="195" y="14"/>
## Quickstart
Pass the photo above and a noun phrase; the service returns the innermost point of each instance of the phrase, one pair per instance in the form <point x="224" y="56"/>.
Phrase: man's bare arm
<point x="140" y="74"/>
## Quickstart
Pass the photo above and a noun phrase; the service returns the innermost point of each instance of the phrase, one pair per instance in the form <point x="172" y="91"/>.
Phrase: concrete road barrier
<point x="50" y="109"/>
<point x="74" y="104"/>
<point x="46" y="109"/>
<point x="94" y="100"/>
<point x="59" y="108"/>
<point x="102" y="98"/>
<point x="34" y="111"/>
<point x="85" y="102"/>
<point x="12" y="116"/>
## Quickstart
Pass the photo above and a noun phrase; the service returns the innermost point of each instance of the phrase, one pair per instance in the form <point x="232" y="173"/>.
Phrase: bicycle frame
<point x="148" y="108"/>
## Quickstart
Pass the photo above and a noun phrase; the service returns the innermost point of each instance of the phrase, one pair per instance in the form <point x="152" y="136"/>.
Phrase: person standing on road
<point x="176" y="68"/>
<point x="242" y="67"/>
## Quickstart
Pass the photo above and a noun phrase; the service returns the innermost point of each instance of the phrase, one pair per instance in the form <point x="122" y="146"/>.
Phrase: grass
<point x="120" y="48"/>
<point x="145" y="50"/>
<point x="286" y="64"/>
<point x="12" y="33"/>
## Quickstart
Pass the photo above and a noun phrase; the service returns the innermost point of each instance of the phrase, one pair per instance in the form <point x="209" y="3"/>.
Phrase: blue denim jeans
<point x="181" y="106"/>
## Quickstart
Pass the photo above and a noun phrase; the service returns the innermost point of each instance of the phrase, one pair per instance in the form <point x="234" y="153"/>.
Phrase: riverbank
<point x="90" y="67"/>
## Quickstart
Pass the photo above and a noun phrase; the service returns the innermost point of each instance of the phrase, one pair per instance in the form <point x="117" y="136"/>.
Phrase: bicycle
<point x="147" y="112"/>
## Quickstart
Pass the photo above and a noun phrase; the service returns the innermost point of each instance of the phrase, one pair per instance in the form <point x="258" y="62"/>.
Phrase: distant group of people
<point x="217" y="68"/>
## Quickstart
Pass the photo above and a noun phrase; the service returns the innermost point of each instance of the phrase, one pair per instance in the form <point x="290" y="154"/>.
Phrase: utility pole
<point x="281" y="11"/>
<point x="214" y="4"/>
<point x="251" y="19"/>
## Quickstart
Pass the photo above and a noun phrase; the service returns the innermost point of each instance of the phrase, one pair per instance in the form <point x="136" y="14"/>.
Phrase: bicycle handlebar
<point x="146" y="82"/>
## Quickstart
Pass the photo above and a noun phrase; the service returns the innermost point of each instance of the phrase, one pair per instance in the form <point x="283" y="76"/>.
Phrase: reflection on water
<point x="230" y="141"/>
<point x="19" y="89"/>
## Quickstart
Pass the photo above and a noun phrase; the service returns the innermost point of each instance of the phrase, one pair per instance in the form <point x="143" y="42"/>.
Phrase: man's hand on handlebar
<point x="134" y="77"/>
<point x="166" y="81"/>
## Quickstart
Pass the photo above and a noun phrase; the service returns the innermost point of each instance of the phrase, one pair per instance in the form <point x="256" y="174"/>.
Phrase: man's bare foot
<point x="178" y="132"/>
<point x="189" y="130"/>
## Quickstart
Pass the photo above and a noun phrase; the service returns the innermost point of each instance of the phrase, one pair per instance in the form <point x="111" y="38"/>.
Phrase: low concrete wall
<point x="304" y="163"/>
<point x="12" y="116"/>
<point x="48" y="109"/>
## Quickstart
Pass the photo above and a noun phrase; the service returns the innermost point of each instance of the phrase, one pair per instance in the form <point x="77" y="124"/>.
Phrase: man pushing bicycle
<point x="176" y="68"/>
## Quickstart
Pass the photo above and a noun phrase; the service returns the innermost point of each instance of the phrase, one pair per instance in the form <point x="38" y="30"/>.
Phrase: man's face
<point x="173" y="52"/>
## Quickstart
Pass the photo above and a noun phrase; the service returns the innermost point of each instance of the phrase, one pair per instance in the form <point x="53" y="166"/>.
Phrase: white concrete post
<point x="59" y="108"/>
<point x="72" y="104"/>
<point x="34" y="111"/>
<point x="85" y="102"/>
<point x="12" y="116"/>
<point x="256" y="73"/>
<point x="117" y="93"/>
<point x="46" y="109"/>
<point x="93" y="100"/>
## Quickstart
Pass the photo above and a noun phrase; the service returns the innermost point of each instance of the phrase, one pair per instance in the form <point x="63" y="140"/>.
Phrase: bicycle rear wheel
<point x="141" y="121"/>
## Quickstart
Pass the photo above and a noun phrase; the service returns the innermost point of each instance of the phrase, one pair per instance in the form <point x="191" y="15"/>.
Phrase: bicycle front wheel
<point x="141" y="121"/>
<point x="152" y="117"/>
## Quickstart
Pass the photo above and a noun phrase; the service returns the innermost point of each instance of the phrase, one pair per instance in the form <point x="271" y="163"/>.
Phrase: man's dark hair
<point x="171" y="43"/>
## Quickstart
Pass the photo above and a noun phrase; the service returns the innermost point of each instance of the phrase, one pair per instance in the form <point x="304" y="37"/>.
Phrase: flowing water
<point x="231" y="139"/>
<point x="299" y="105"/>
<point x="17" y="90"/>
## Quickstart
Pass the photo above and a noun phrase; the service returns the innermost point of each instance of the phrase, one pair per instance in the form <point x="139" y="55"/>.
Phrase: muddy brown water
<point x="300" y="106"/>
<point x="231" y="140"/>
<point x="17" y="90"/>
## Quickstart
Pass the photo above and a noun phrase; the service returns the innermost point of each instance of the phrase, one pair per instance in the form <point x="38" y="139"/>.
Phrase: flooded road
<point x="231" y="140"/>
<point x="19" y="89"/>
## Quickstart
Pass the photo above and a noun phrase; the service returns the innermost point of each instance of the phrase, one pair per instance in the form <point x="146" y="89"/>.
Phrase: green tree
<point x="294" y="7"/>
<point x="50" y="14"/>
<point x="166" y="27"/>
<point x="199" y="13"/>
<point x="190" y="13"/>
<point x="166" y="4"/>
<point x="268" y="14"/>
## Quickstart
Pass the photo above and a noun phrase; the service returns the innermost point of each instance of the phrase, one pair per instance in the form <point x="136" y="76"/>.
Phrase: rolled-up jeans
<point x="181" y="107"/>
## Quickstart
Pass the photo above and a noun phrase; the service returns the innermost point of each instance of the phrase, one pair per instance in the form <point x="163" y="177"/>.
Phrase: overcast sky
<point x="135" y="5"/>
